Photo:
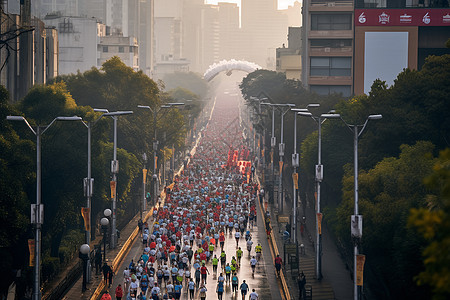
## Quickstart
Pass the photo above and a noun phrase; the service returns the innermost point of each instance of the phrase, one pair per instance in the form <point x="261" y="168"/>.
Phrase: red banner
<point x="402" y="17"/>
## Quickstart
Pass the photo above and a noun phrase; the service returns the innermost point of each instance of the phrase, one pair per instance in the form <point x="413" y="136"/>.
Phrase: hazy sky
<point x="282" y="4"/>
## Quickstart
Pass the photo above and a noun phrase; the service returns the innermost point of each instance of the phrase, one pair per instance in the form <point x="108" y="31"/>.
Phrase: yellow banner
<point x="295" y="179"/>
<point x="271" y="156"/>
<point x="113" y="188"/>
<point x="319" y="222"/>
<point x="144" y="175"/>
<point x="156" y="163"/>
<point x="281" y="166"/>
<point x="86" y="217"/>
<point x="360" y="260"/>
<point x="262" y="152"/>
<point x="31" y="246"/>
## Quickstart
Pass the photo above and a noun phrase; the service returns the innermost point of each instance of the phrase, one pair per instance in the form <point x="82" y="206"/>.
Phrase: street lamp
<point x="37" y="210"/>
<point x="115" y="170"/>
<point x="155" y="140"/>
<point x="356" y="219"/>
<point x="104" y="222"/>
<point x="319" y="178"/>
<point x="295" y="165"/>
<point x="88" y="184"/>
<point x="84" y="255"/>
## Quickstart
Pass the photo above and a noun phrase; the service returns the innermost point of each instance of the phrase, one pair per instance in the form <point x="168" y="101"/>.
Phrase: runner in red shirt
<point x="278" y="262"/>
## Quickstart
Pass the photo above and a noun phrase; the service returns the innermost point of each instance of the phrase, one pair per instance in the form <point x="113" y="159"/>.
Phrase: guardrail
<point x="287" y="295"/>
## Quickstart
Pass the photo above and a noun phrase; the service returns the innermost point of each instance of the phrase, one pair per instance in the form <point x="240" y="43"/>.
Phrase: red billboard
<point x="402" y="17"/>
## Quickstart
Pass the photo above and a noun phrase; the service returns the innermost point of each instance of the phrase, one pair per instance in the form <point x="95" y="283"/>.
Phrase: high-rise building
<point x="349" y="44"/>
<point x="392" y="35"/>
<point x="327" y="49"/>
<point x="265" y="29"/>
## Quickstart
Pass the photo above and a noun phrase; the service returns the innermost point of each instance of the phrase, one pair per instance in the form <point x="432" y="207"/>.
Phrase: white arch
<point x="227" y="66"/>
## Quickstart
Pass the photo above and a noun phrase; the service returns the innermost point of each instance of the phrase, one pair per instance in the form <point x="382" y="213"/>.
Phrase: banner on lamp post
<point x="86" y="217"/>
<point x="295" y="178"/>
<point x="360" y="260"/>
<point x="113" y="185"/>
<point x="144" y="175"/>
<point x="319" y="222"/>
<point x="281" y="166"/>
<point x="31" y="248"/>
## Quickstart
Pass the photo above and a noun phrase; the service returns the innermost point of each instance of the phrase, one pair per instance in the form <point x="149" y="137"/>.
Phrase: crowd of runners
<point x="212" y="201"/>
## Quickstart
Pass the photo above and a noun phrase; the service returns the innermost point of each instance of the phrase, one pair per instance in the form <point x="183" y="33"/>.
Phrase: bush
<point x="50" y="267"/>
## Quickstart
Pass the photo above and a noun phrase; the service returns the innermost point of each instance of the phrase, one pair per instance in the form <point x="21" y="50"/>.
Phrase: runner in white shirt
<point x="253" y="295"/>
<point x="253" y="263"/>
<point x="237" y="235"/>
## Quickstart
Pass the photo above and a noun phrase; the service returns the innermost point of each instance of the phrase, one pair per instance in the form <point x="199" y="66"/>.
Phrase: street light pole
<point x="356" y="219"/>
<point x="115" y="170"/>
<point x="37" y="210"/>
<point x="295" y="165"/>
<point x="155" y="142"/>
<point x="319" y="178"/>
<point x="281" y="149"/>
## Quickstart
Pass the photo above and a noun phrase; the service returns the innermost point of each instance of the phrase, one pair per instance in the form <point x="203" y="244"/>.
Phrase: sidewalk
<point x="336" y="282"/>
<point x="75" y="292"/>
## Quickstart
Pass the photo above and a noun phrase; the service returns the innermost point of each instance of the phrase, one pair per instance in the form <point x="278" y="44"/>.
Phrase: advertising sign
<point x="402" y="17"/>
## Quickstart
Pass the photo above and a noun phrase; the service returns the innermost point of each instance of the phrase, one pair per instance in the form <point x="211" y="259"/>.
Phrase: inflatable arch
<point x="228" y="66"/>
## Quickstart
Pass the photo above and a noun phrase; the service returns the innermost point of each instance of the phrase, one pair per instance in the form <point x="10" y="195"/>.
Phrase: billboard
<point x="402" y="17"/>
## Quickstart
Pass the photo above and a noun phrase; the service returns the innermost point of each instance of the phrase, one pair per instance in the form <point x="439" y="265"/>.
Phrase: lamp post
<point x="155" y="140"/>
<point x="88" y="190"/>
<point x="356" y="219"/>
<point x="319" y="178"/>
<point x="115" y="170"/>
<point x="84" y="255"/>
<point x="104" y="222"/>
<point x="37" y="210"/>
<point x="273" y="142"/>
<point x="281" y="148"/>
<point x="295" y="165"/>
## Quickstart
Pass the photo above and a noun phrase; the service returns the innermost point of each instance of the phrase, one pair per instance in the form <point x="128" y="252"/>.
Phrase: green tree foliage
<point x="16" y="164"/>
<point x="433" y="223"/>
<point x="386" y="194"/>
<point x="189" y="81"/>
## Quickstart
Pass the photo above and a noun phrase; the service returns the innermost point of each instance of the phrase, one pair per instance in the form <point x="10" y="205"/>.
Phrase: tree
<point x="386" y="194"/>
<point x="16" y="169"/>
<point x="189" y="81"/>
<point x="433" y="223"/>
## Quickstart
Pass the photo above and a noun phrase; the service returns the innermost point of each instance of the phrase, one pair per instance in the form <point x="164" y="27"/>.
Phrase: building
<point x="264" y="29"/>
<point x="30" y="56"/>
<point x="78" y="40"/>
<point x="327" y="46"/>
<point x="391" y="36"/>
<point x="124" y="47"/>
<point x="289" y="59"/>
<point x="347" y="45"/>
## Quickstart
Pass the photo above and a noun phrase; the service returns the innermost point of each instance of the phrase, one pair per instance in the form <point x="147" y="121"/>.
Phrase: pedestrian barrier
<point x="275" y="252"/>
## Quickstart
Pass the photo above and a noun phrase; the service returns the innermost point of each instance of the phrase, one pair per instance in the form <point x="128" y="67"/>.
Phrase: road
<point x="263" y="281"/>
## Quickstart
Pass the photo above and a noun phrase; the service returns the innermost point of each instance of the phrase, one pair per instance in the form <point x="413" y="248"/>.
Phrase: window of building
<point x="66" y="26"/>
<point x="345" y="90"/>
<point x="331" y="43"/>
<point x="331" y="66"/>
<point x="105" y="48"/>
<point x="331" y="22"/>
<point x="121" y="49"/>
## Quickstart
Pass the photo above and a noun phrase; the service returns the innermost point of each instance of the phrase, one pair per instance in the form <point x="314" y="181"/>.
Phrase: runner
<point x="244" y="289"/>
